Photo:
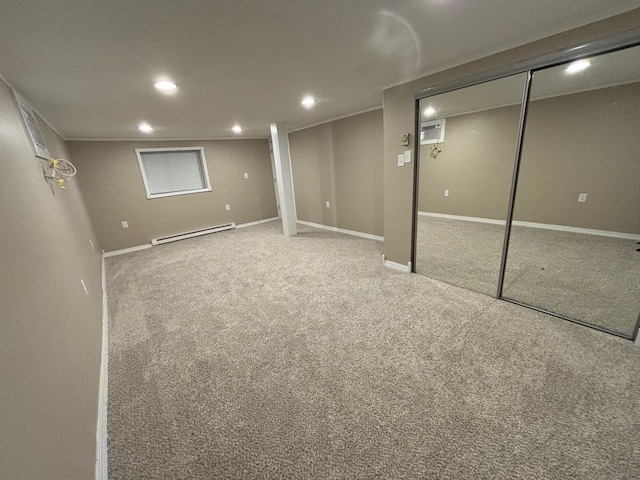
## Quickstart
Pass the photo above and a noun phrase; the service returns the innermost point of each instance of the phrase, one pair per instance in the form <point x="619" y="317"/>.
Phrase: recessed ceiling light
<point x="236" y="128"/>
<point x="166" y="86"/>
<point x="578" y="66"/>
<point x="308" y="101"/>
<point x="145" y="128"/>
<point x="429" y="112"/>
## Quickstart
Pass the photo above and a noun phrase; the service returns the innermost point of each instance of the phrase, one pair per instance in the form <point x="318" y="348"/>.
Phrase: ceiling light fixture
<point x="166" y="86"/>
<point x="429" y="112"/>
<point x="578" y="66"/>
<point x="308" y="101"/>
<point x="236" y="128"/>
<point x="145" y="128"/>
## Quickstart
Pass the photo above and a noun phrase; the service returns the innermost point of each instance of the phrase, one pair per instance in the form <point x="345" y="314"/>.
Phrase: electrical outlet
<point x="328" y="205"/>
<point x="246" y="175"/>
<point x="125" y="224"/>
<point x="582" y="197"/>
<point x="227" y="207"/>
<point x="401" y="160"/>
<point x="446" y="193"/>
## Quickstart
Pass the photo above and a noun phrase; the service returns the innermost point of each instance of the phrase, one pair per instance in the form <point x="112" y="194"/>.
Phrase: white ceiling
<point x="88" y="66"/>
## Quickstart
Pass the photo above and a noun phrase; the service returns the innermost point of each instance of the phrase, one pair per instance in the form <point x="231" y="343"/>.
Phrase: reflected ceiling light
<point x="578" y="66"/>
<point x="145" y="128"/>
<point x="429" y="112"/>
<point x="236" y="128"/>
<point x="308" y="101"/>
<point x="166" y="86"/>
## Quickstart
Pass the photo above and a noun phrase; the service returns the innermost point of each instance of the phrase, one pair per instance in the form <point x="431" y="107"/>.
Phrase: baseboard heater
<point x="195" y="233"/>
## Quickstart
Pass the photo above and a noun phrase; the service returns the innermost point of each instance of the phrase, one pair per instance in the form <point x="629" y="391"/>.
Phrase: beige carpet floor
<point x="246" y="354"/>
<point x="590" y="278"/>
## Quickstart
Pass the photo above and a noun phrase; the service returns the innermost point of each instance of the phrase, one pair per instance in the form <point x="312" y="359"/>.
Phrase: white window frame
<point x="203" y="162"/>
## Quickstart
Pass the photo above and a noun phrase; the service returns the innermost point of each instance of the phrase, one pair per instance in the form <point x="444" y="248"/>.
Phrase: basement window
<point x="173" y="171"/>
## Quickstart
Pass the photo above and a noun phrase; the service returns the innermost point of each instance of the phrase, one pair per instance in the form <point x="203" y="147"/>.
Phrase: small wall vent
<point x="31" y="127"/>
<point x="432" y="132"/>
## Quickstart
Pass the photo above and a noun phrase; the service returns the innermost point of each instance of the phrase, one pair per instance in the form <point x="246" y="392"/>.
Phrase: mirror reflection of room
<point x="573" y="246"/>
<point x="468" y="140"/>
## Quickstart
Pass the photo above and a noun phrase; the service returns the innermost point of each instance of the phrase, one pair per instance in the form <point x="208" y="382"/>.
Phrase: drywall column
<point x="284" y="179"/>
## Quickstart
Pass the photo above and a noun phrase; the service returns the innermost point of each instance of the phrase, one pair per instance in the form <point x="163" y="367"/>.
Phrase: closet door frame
<point x="601" y="46"/>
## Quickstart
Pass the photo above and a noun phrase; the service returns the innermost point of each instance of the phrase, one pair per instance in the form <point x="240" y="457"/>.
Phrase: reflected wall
<point x="465" y="177"/>
<point x="576" y="216"/>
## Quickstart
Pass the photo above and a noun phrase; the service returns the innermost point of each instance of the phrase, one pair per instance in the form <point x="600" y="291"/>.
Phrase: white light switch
<point x="446" y="193"/>
<point x="227" y="207"/>
<point x="407" y="156"/>
<point x="125" y="224"/>
<point x="327" y="204"/>
<point x="582" y="197"/>
<point x="401" y="160"/>
<point x="246" y="175"/>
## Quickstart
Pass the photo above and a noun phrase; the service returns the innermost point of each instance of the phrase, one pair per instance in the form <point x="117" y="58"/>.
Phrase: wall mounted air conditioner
<point x="432" y="131"/>
<point x="31" y="127"/>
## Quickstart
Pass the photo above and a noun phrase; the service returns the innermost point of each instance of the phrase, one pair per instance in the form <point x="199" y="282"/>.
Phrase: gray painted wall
<point x="475" y="165"/>
<point x="340" y="161"/>
<point x="114" y="191"/>
<point x="581" y="143"/>
<point x="50" y="330"/>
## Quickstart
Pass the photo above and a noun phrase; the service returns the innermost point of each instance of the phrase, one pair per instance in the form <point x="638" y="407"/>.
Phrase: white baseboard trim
<point x="103" y="392"/>
<point x="460" y="217"/>
<point x="342" y="230"/>
<point x="586" y="231"/>
<point x="544" y="226"/>
<point x="115" y="253"/>
<point x="251" y="224"/>
<point x="398" y="266"/>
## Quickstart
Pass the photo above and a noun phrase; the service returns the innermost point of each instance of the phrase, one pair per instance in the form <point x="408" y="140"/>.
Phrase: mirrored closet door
<point x="537" y="204"/>
<point x="468" y="140"/>
<point x="576" y="223"/>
